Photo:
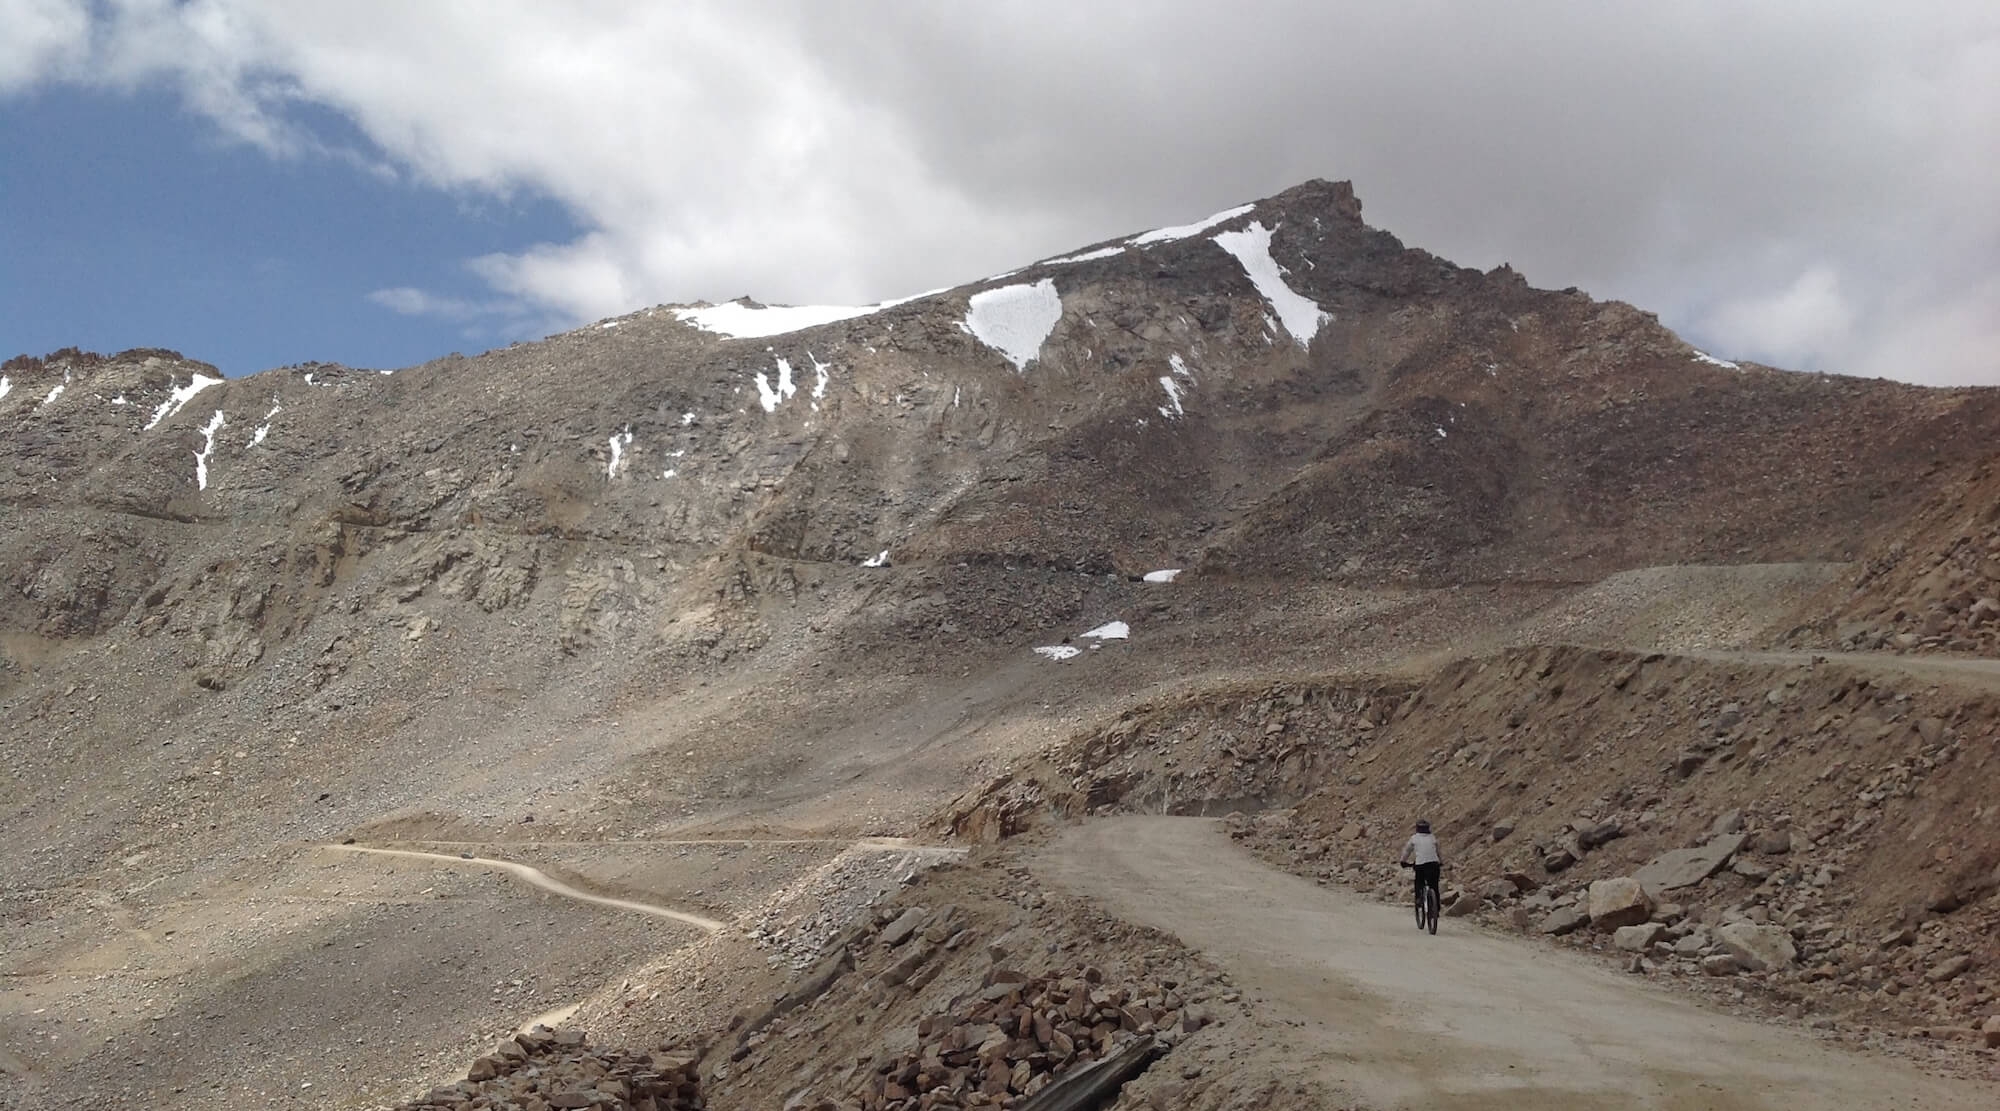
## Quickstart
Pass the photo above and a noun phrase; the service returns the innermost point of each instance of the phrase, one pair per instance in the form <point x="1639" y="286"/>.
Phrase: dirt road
<point x="535" y="877"/>
<point x="1466" y="1020"/>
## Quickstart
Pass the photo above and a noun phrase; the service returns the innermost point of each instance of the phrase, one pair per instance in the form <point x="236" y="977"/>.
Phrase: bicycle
<point x="1426" y="900"/>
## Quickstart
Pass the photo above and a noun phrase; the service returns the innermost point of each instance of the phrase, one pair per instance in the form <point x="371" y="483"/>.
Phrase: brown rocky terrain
<point x="1931" y="584"/>
<point x="679" y="617"/>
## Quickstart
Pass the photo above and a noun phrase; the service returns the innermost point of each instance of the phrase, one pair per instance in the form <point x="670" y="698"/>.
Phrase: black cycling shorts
<point x="1427" y="875"/>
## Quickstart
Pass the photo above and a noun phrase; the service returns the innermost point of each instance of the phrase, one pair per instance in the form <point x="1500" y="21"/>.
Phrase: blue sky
<point x="379" y="182"/>
<point x="130" y="222"/>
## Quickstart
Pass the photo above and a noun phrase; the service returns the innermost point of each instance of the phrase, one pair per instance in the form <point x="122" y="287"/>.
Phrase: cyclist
<point x="1421" y="854"/>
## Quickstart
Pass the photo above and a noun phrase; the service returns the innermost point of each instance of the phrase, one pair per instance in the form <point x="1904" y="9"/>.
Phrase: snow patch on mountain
<point x="770" y="398"/>
<point x="1168" y="235"/>
<point x="208" y="432"/>
<point x="264" y="429"/>
<point x="1252" y="248"/>
<point x="619" y="442"/>
<point x="1014" y="319"/>
<point x="1164" y="575"/>
<point x="822" y="377"/>
<point x="1087" y="256"/>
<point x="1175" y="390"/>
<point x="740" y="321"/>
<point x="6" y="386"/>
<point x="181" y="395"/>
<point x="1705" y="357"/>
<point x="1110" y="630"/>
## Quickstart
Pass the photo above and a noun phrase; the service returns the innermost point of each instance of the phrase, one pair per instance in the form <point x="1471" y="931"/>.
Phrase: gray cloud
<point x="1804" y="183"/>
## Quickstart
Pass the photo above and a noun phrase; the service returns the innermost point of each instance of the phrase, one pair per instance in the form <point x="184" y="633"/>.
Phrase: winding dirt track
<point x="1467" y="1020"/>
<point x="535" y="877"/>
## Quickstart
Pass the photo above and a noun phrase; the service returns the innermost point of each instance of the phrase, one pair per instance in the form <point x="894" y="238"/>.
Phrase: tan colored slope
<point x="1466" y="1020"/>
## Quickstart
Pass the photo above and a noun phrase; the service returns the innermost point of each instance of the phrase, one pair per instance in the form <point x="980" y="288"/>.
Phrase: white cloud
<point x="1802" y="325"/>
<point x="1704" y="158"/>
<point x="1952" y="339"/>
<point x="40" y="36"/>
<point x="410" y="301"/>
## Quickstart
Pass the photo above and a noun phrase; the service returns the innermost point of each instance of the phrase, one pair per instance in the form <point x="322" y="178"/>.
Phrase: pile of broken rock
<point x="1018" y="1034"/>
<point x="548" y="1070"/>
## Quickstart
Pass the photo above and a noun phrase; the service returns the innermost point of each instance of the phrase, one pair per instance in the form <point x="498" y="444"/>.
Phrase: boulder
<point x="1774" y="842"/>
<point x="1637" y="939"/>
<point x="1503" y="829"/>
<point x="1730" y="822"/>
<point x="1758" y="948"/>
<point x="1951" y="968"/>
<point x="899" y="931"/>
<point x="1719" y="964"/>
<point x="1566" y="920"/>
<point x="1619" y="902"/>
<point x="1593" y="834"/>
<point x="1991" y="1032"/>
<point x="1687" y="867"/>
<point x="1750" y="869"/>
<point x="1521" y="881"/>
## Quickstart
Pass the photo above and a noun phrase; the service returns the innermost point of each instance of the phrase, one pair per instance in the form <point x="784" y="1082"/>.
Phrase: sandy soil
<point x="1466" y="1020"/>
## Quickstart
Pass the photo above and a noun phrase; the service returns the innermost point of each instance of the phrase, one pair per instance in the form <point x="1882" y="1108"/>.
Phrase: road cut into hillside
<point x="1467" y="1020"/>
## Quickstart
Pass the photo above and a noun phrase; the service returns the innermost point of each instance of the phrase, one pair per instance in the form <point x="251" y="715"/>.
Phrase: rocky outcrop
<point x="1687" y="867"/>
<point x="558" y="1069"/>
<point x="1617" y="903"/>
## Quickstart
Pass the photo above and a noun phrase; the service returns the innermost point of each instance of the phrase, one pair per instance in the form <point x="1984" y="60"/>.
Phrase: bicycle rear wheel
<point x="1431" y="909"/>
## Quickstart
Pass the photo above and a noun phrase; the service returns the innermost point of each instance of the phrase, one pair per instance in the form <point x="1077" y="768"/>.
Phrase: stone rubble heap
<point x="1017" y="1035"/>
<point x="555" y="1070"/>
<point x="798" y="925"/>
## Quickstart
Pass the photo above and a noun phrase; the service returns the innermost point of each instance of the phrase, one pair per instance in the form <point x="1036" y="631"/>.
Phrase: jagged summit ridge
<point x="746" y="318"/>
<point x="1276" y="389"/>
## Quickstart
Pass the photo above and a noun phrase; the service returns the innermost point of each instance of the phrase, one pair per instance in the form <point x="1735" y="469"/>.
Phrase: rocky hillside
<point x="812" y="569"/>
<point x="1837" y="810"/>
<point x="1929" y="584"/>
<point x="1278" y="395"/>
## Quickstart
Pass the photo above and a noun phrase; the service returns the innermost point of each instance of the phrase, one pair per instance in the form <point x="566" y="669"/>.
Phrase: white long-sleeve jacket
<point x="1422" y="849"/>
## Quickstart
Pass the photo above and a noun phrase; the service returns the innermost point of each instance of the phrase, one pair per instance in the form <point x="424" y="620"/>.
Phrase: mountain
<point x="710" y="569"/>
